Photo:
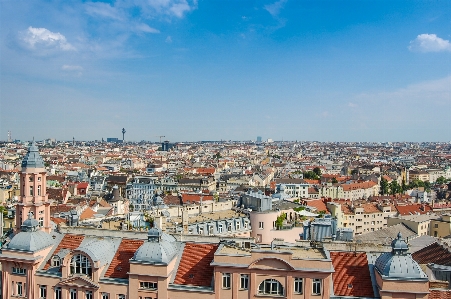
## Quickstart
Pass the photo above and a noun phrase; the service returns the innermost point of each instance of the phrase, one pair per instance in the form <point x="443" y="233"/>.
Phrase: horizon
<point x="290" y="70"/>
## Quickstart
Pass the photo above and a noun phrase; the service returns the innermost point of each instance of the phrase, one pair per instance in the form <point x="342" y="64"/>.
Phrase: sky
<point x="226" y="70"/>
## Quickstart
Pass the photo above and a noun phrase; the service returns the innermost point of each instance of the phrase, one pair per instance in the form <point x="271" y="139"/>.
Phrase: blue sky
<point x="211" y="70"/>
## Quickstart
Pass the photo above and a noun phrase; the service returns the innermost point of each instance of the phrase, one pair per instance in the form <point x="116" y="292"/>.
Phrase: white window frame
<point x="88" y="295"/>
<point x="270" y="287"/>
<point x="105" y="295"/>
<point x="19" y="289"/>
<point x="261" y="225"/>
<point x="298" y="285"/>
<point x="58" y="293"/>
<point x="226" y="280"/>
<point x="220" y="228"/>
<point x="148" y="285"/>
<point x="317" y="285"/>
<point x="244" y="281"/>
<point x="20" y="271"/>
<point x="42" y="291"/>
<point x="237" y="225"/>
<point x="73" y="293"/>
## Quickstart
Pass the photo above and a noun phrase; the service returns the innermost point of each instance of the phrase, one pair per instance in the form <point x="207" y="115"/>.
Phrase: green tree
<point x="394" y="187"/>
<point x="383" y="186"/>
<point x="310" y="175"/>
<point x="317" y="171"/>
<point x="403" y="185"/>
<point x="334" y="181"/>
<point x="441" y="180"/>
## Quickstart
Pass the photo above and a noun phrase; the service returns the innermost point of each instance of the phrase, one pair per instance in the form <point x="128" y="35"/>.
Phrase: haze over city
<point x="231" y="70"/>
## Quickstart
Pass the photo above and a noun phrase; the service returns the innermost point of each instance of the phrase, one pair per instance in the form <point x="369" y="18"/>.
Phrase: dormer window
<point x="80" y="264"/>
<point x="56" y="261"/>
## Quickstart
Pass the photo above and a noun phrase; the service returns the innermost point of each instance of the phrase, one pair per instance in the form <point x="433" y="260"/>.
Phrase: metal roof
<point x="31" y="241"/>
<point x="33" y="159"/>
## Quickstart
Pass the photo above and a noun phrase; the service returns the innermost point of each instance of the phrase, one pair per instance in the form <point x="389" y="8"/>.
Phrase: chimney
<point x="185" y="221"/>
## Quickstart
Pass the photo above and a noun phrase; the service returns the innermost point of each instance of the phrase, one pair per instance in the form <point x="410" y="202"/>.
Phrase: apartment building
<point x="361" y="216"/>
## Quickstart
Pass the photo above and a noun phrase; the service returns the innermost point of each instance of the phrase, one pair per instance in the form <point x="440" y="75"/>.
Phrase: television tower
<point x="123" y="135"/>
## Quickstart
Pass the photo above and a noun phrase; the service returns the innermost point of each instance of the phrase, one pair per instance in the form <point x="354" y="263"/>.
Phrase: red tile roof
<point x="68" y="242"/>
<point x="352" y="275"/>
<point x="195" y="266"/>
<point x="412" y="209"/>
<point x="120" y="264"/>
<point x="87" y="213"/>
<point x="195" y="197"/>
<point x="439" y="294"/>
<point x="434" y="253"/>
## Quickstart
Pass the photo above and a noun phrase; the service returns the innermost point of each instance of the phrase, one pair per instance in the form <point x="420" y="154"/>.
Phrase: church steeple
<point x="33" y="194"/>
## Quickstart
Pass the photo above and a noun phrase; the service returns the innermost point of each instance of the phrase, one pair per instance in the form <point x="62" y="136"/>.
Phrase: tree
<point x="334" y="181"/>
<point x="394" y="187"/>
<point x="317" y="171"/>
<point x="403" y="185"/>
<point x="384" y="186"/>
<point x="310" y="175"/>
<point x="441" y="180"/>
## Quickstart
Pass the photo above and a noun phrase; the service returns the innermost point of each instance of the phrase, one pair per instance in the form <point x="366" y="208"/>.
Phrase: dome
<point x="160" y="248"/>
<point x="398" y="263"/>
<point x="33" y="159"/>
<point x="31" y="241"/>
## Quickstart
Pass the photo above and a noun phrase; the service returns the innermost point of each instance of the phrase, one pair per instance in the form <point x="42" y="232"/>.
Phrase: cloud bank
<point x="37" y="38"/>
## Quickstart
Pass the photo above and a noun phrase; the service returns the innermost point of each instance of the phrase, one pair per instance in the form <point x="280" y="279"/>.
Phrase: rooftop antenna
<point x="123" y="135"/>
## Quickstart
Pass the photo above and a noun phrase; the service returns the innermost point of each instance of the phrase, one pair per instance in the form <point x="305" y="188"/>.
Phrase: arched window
<point x="80" y="264"/>
<point x="270" y="287"/>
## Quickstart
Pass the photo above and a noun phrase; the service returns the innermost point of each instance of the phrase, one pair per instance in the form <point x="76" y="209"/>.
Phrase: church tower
<point x="33" y="195"/>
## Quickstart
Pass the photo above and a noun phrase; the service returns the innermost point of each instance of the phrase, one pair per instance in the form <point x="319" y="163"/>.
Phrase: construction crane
<point x="160" y="137"/>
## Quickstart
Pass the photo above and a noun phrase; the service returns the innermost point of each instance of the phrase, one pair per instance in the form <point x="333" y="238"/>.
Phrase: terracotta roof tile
<point x="87" y="213"/>
<point x="439" y="294"/>
<point x="352" y="275"/>
<point x="433" y="253"/>
<point x="120" y="264"/>
<point x="194" y="268"/>
<point x="68" y="242"/>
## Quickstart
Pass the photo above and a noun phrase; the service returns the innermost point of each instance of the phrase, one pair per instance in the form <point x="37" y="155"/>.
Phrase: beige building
<point x="441" y="227"/>
<point x="362" y="217"/>
<point x="420" y="224"/>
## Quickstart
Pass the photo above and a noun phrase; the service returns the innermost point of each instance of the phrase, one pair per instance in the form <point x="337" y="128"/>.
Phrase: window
<point x="56" y="262"/>
<point x="229" y="227"/>
<point x="226" y="280"/>
<point x="244" y="281"/>
<point x="316" y="286"/>
<point x="298" y="285"/>
<point x="201" y="230"/>
<point x="39" y="190"/>
<point x="39" y="179"/>
<point x="220" y="228"/>
<point x="20" y="271"/>
<point x="260" y="225"/>
<point x="245" y="224"/>
<point x="436" y="225"/>
<point x="19" y="289"/>
<point x="270" y="287"/>
<point x="80" y="264"/>
<point x="41" y="221"/>
<point x="31" y="190"/>
<point x="148" y="285"/>
<point x="42" y="292"/>
<point x="105" y="295"/>
<point x="237" y="225"/>
<point x="88" y="295"/>
<point x="58" y="292"/>
<point x="73" y="293"/>
<point x="121" y="296"/>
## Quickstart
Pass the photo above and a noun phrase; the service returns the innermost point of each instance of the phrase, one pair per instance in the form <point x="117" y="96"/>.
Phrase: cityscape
<point x="117" y="219"/>
<point x="196" y="149"/>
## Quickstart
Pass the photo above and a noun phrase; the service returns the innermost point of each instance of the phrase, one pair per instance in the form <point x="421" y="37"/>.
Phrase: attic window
<point x="350" y="286"/>
<point x="56" y="261"/>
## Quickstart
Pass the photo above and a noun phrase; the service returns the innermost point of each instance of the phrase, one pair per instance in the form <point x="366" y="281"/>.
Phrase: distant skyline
<point x="231" y="70"/>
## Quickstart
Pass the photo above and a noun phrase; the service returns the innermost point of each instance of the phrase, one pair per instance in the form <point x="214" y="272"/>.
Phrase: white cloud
<point x="103" y="10"/>
<point x="275" y="8"/>
<point x="146" y="28"/>
<point x="429" y="43"/>
<point x="156" y="8"/>
<point x="71" y="68"/>
<point x="168" y="39"/>
<point x="42" y="37"/>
